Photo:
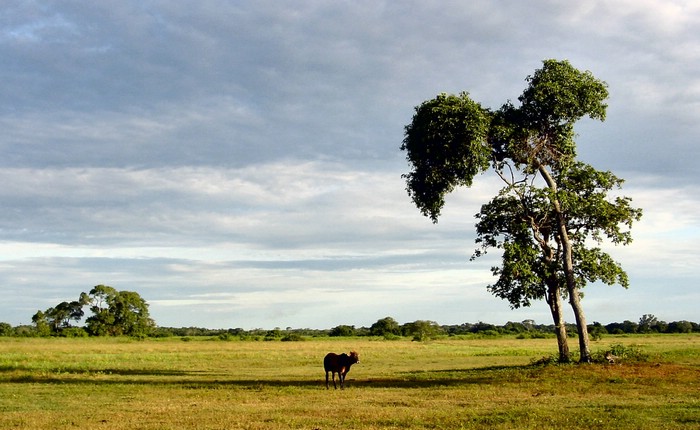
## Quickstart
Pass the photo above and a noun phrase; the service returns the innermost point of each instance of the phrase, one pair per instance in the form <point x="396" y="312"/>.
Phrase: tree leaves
<point x="446" y="143"/>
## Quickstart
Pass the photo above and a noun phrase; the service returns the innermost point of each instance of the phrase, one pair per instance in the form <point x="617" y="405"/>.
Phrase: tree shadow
<point x="95" y="371"/>
<point x="204" y="379"/>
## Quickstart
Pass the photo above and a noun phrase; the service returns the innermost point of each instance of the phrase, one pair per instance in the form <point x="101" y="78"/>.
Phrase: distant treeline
<point x="389" y="328"/>
<point x="421" y="330"/>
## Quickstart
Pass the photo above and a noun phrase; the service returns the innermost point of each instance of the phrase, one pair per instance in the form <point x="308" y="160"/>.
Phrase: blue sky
<point x="238" y="163"/>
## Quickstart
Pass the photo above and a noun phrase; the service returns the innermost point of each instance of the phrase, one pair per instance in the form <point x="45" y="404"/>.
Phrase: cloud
<point x="248" y="153"/>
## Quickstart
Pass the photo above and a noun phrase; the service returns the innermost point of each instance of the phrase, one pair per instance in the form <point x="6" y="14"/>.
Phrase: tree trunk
<point x="555" y="306"/>
<point x="553" y="298"/>
<point x="572" y="288"/>
<point x="583" y="341"/>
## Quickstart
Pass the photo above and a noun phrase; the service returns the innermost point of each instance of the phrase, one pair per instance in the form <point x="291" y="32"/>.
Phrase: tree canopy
<point x="114" y="313"/>
<point x="553" y="211"/>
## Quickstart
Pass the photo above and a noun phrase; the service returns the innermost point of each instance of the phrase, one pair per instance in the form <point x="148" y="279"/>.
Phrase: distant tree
<point x="291" y="336"/>
<point x="385" y="326"/>
<point x="514" y="327"/>
<point x="25" y="330"/>
<point x="74" y="332"/>
<point x="102" y="321"/>
<point x="342" y="331"/>
<point x="680" y="327"/>
<point x="661" y="326"/>
<point x="117" y="313"/>
<point x="647" y="324"/>
<point x="552" y="210"/>
<point x="422" y="330"/>
<point x="54" y="320"/>
<point x="627" y="326"/>
<point x="597" y="331"/>
<point x="453" y="330"/>
<point x="41" y="324"/>
<point x="482" y="327"/>
<point x="6" y="329"/>
<point x="273" y="334"/>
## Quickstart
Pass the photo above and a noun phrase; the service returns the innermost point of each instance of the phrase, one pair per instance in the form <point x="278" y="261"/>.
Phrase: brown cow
<point x="339" y="364"/>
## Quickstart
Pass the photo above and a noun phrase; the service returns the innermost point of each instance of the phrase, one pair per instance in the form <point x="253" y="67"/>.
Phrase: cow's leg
<point x="333" y="377"/>
<point x="327" y="380"/>
<point x="341" y="375"/>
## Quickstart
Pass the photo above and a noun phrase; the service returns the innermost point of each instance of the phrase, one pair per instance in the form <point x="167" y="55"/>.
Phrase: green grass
<point x="450" y="384"/>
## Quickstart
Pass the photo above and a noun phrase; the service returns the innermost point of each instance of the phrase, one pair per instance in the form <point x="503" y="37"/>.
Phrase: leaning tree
<point x="553" y="211"/>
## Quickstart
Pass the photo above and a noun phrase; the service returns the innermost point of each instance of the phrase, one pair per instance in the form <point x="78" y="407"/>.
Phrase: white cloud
<point x="249" y="152"/>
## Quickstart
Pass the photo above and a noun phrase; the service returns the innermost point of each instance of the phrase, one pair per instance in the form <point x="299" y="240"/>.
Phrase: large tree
<point x="53" y="320"/>
<point x="117" y="313"/>
<point x="114" y="313"/>
<point x="553" y="210"/>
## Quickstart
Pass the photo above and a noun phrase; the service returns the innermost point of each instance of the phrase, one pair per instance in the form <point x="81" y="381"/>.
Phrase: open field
<point x="474" y="383"/>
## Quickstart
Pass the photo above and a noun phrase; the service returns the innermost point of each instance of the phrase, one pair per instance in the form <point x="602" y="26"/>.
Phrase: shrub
<point x="271" y="335"/>
<point x="226" y="336"/>
<point x="6" y="329"/>
<point x="292" y="337"/>
<point x="621" y="353"/>
<point x="547" y="360"/>
<point x="73" y="332"/>
<point x="342" y="331"/>
<point x="423" y="330"/>
<point x="532" y="335"/>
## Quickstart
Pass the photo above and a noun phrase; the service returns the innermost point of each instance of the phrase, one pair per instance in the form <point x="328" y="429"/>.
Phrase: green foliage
<point x="557" y="96"/>
<point x="392" y="336"/>
<point x="117" y="313"/>
<point x="522" y="222"/>
<point x="292" y="337"/>
<point x="527" y="329"/>
<point x="385" y="327"/>
<point x="226" y="337"/>
<point x="620" y="353"/>
<point x="343" y="331"/>
<point x="533" y="335"/>
<point x="41" y="324"/>
<point x="559" y="93"/>
<point x="647" y="323"/>
<point x="56" y="319"/>
<point x="275" y="334"/>
<point x="74" y="332"/>
<point x="682" y="327"/>
<point x="421" y="330"/>
<point x="446" y="143"/>
<point x="6" y="329"/>
<point x="597" y="331"/>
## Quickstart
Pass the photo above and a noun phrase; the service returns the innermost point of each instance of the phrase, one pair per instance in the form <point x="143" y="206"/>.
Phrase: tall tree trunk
<point x="555" y="306"/>
<point x="572" y="288"/>
<point x="583" y="341"/>
<point x="553" y="298"/>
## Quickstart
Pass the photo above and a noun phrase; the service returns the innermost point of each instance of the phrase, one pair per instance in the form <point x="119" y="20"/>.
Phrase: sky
<point x="238" y="164"/>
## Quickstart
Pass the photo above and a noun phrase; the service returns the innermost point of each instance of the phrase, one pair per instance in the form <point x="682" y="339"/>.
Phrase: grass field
<point x="469" y="383"/>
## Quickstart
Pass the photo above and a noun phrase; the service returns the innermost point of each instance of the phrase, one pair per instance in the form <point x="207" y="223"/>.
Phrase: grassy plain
<point x="453" y="383"/>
